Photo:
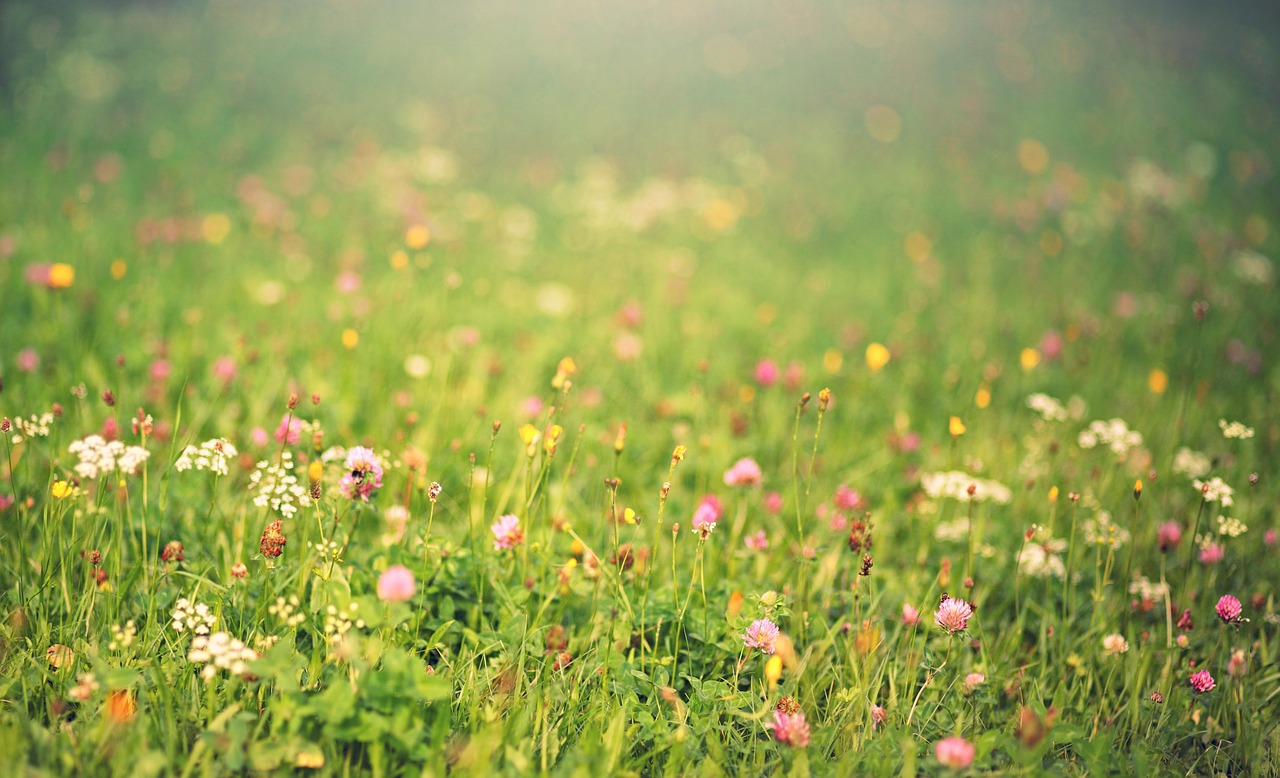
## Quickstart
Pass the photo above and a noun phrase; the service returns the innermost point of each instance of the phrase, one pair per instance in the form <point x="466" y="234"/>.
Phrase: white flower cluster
<point x="98" y="457"/>
<point x="1191" y="464"/>
<point x="1043" y="560"/>
<point x="956" y="485"/>
<point x="34" y="427"/>
<point x="1214" y="490"/>
<point x="1231" y="527"/>
<point x="278" y="487"/>
<point x="122" y="637"/>
<point x="210" y="455"/>
<point x="952" y="531"/>
<point x="337" y="622"/>
<point x="1234" y="430"/>
<point x="1113" y="434"/>
<point x="1048" y="407"/>
<point x="288" y="611"/>
<point x="1105" y="532"/>
<point x="195" y="617"/>
<point x="220" y="651"/>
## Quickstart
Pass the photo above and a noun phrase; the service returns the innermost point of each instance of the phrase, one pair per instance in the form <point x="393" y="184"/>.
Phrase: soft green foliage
<point x="535" y="254"/>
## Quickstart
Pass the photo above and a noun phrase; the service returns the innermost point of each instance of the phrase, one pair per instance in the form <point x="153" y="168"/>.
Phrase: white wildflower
<point x="1214" y="490"/>
<point x="1043" y="560"/>
<point x="1191" y="464"/>
<point x="1105" y="532"/>
<point x="1114" y="645"/>
<point x="99" y="457"/>
<point x="212" y="455"/>
<point x="278" y="488"/>
<point x="220" y="651"/>
<point x="1049" y="408"/>
<point x="1231" y="527"/>
<point x="195" y="617"/>
<point x="957" y="485"/>
<point x="1234" y="430"/>
<point x="1114" y="434"/>
<point x="33" y="427"/>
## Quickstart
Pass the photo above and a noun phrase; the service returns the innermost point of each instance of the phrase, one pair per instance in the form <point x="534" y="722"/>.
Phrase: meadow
<point x="573" y="388"/>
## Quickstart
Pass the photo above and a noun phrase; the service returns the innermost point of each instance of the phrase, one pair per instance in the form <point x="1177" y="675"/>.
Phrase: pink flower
<point x="954" y="752"/>
<point x="1051" y="345"/>
<point x="6" y="502"/>
<point x="1168" y="535"/>
<point x="878" y="716"/>
<point x="363" y="474"/>
<point x="290" y="430"/>
<point x="348" y="281"/>
<point x="773" y="503"/>
<point x="974" y="680"/>
<point x="758" y="541"/>
<point x="1236" y="666"/>
<point x="1228" y="609"/>
<point x="1271" y="537"/>
<point x="761" y="634"/>
<point x="506" y="532"/>
<point x="28" y="360"/>
<point x="838" y="522"/>
<point x="224" y="369"/>
<point x="161" y="370"/>
<point x="396" y="584"/>
<point x="848" y="499"/>
<point x="1212" y="554"/>
<point x="910" y="616"/>
<point x="745" y="472"/>
<point x="795" y="374"/>
<point x="707" y="513"/>
<point x="259" y="437"/>
<point x="953" y="614"/>
<point x="766" y="373"/>
<point x="531" y="406"/>
<point x="1202" y="682"/>
<point x="790" y="729"/>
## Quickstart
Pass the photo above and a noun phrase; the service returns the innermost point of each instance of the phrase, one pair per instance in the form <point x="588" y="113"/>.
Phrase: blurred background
<point x="789" y="177"/>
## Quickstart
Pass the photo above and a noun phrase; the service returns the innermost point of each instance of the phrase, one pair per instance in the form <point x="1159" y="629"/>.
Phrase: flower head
<point x="878" y="716"/>
<point x="1113" y="645"/>
<point x="790" y="729"/>
<point x="745" y="472"/>
<point x="396" y="584"/>
<point x="1202" y="682"/>
<point x="910" y="616"/>
<point x="954" y="752"/>
<point x="953" y="614"/>
<point x="507" y="532"/>
<point x="1168" y="535"/>
<point x="363" y="474"/>
<point x="1228" y="609"/>
<point x="761" y="634"/>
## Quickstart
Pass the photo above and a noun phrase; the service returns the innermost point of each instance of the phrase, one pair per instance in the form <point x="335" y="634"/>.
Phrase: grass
<point x="573" y="265"/>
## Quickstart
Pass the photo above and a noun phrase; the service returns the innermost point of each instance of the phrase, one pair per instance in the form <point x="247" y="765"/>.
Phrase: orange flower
<point x="121" y="706"/>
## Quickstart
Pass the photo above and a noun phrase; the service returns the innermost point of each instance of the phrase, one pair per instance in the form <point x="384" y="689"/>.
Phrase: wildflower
<point x="954" y="752"/>
<point x="1115" y="644"/>
<point x="1043" y="559"/>
<point x="98" y="457"/>
<point x="193" y="617"/>
<point x="1234" y="430"/>
<point x="239" y="570"/>
<point x="507" y="532"/>
<point x="707" y="514"/>
<point x="1228" y="609"/>
<point x="1236" y="666"/>
<point x="278" y="487"/>
<point x="1191" y="464"/>
<point x="61" y="489"/>
<point x="766" y="373"/>
<point x="745" y="472"/>
<point x="878" y="716"/>
<point x="1168" y="535"/>
<point x="1202" y="682"/>
<point x="121" y="706"/>
<point x="290" y="429"/>
<point x="1114" y="434"/>
<point x="758" y="541"/>
<point x="1231" y="526"/>
<point x="956" y="485"/>
<point x="212" y="455"/>
<point x="761" y="634"/>
<point x="433" y="491"/>
<point x="363" y="476"/>
<point x="86" y="686"/>
<point x="790" y="729"/>
<point x="787" y="704"/>
<point x="273" y="540"/>
<point x="396" y="584"/>
<point x="1185" y="622"/>
<point x="1214" y="490"/>
<point x="910" y="616"/>
<point x="59" y="656"/>
<point x="1049" y="408"/>
<point x="877" y="357"/>
<point x="955" y="426"/>
<point x="773" y="670"/>
<point x="973" y="681"/>
<point x="1271" y="537"/>
<point x="220" y="651"/>
<point x="953" y="614"/>
<point x="1157" y="697"/>
<point x="847" y="499"/>
<point x="1212" y="553"/>
<point x="172" y="552"/>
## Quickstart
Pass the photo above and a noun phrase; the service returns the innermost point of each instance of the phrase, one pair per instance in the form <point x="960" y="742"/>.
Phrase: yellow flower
<point x="528" y="434"/>
<point x="60" y="489"/>
<point x="350" y="338"/>
<point x="1030" y="358"/>
<point x="1158" y="381"/>
<point x="315" y="470"/>
<point x="983" y="397"/>
<point x="417" y="236"/>
<point x="773" y="670"/>
<point x="877" y="357"/>
<point x="61" y="275"/>
<point x="955" y="426"/>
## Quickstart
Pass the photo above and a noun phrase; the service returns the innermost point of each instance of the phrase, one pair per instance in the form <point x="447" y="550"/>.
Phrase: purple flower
<point x="1202" y="682"/>
<point x="761" y="634"/>
<point x="1228" y="609"/>
<point x="363" y="474"/>
<point x="507" y="532"/>
<point x="953" y="614"/>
